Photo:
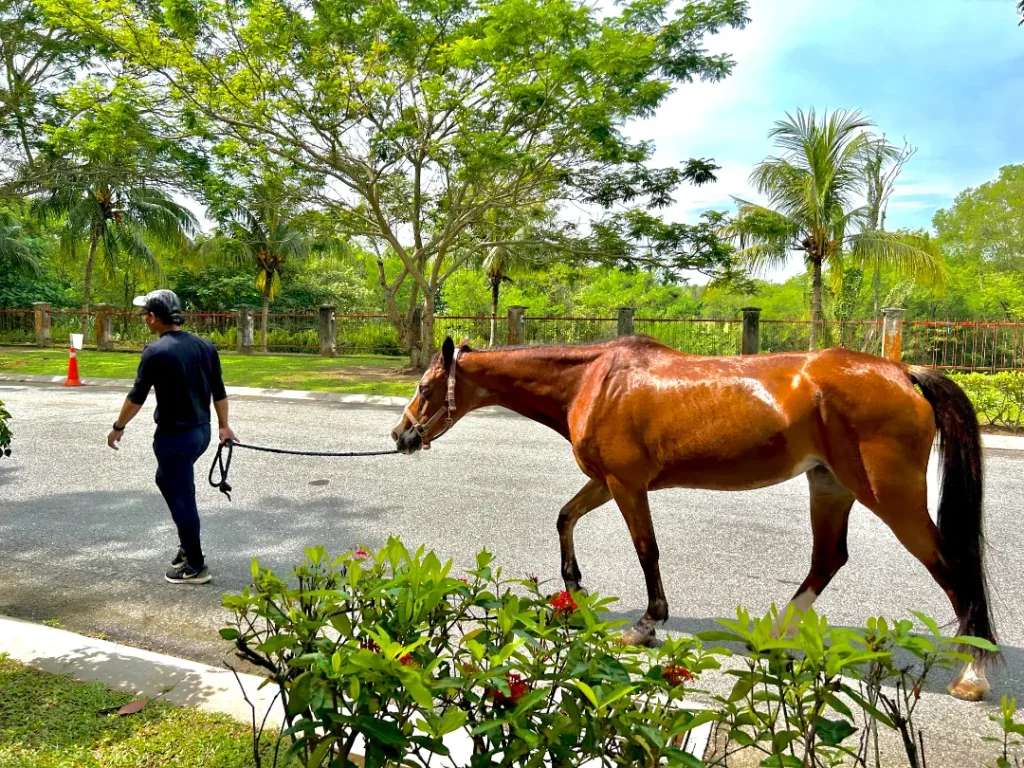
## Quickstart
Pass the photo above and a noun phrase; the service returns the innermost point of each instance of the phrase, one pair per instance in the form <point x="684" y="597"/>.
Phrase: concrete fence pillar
<point x="892" y="333"/>
<point x="328" y="331"/>
<point x="626" y="321"/>
<point x="104" y="327"/>
<point x="41" y="317"/>
<point x="516" y="325"/>
<point x="750" y="343"/>
<point x="246" y="329"/>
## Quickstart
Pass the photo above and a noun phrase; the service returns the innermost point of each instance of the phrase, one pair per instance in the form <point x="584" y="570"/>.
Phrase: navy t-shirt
<point x="186" y="373"/>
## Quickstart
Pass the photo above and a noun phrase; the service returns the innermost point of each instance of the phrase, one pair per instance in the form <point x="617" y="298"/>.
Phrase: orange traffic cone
<point x="72" y="380"/>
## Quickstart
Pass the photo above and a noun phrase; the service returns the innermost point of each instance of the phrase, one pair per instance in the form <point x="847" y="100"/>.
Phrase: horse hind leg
<point x="900" y="499"/>
<point x="590" y="497"/>
<point x="831" y="502"/>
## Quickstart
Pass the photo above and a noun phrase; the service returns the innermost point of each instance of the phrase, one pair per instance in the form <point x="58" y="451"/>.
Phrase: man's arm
<point x="128" y="412"/>
<point x="224" y="431"/>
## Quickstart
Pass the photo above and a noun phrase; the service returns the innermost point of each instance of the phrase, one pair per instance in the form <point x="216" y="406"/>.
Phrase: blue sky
<point x="946" y="75"/>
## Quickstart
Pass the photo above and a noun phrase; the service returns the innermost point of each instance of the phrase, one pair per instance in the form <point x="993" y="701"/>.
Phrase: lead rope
<point x="224" y="464"/>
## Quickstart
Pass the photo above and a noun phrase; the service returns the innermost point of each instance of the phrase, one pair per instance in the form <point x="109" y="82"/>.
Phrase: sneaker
<point x="188" y="575"/>
<point x="179" y="559"/>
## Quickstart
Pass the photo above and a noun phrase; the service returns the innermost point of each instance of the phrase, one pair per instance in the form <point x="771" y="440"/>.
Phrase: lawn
<point x="50" y="721"/>
<point x="362" y="374"/>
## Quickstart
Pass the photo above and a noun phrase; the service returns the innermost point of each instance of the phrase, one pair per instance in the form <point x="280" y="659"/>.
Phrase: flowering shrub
<point x="392" y="650"/>
<point x="5" y="431"/>
<point x="389" y="655"/>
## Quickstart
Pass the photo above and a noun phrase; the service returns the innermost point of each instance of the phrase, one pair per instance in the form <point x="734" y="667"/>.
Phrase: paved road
<point x="84" y="535"/>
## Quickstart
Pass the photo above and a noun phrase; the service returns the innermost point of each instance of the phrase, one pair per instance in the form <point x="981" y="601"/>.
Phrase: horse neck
<point x="537" y="382"/>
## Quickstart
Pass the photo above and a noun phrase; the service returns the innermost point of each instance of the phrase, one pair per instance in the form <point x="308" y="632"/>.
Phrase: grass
<point x="360" y="374"/>
<point x="51" y="721"/>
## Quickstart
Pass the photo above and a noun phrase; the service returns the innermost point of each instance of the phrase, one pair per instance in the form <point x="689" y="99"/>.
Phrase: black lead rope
<point x="222" y="464"/>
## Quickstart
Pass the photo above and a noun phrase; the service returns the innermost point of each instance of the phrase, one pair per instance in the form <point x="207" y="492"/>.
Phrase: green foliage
<point x="393" y="648"/>
<point x="998" y="398"/>
<point x="802" y="681"/>
<point x="1012" y="739"/>
<point x="6" y="436"/>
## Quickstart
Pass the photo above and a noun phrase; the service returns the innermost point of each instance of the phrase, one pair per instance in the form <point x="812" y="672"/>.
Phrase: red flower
<point x="677" y="674"/>
<point x="407" y="660"/>
<point x="517" y="688"/>
<point x="361" y="553"/>
<point x="563" y="603"/>
<point x="368" y="644"/>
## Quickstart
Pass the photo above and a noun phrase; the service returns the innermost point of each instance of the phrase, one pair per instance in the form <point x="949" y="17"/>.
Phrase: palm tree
<point x="502" y="260"/>
<point x="263" y="234"/>
<point x="116" y="217"/>
<point x="16" y="254"/>
<point x="812" y="190"/>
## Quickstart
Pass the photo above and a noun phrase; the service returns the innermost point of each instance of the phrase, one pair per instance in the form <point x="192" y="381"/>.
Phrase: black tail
<point x="962" y="539"/>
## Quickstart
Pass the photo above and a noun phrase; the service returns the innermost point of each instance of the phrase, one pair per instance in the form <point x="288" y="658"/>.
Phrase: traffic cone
<point x="72" y="380"/>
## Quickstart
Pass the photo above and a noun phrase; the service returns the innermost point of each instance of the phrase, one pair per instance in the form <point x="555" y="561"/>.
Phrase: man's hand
<point x="226" y="433"/>
<point x="114" y="437"/>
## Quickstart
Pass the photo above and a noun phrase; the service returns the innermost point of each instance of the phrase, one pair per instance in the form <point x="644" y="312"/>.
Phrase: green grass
<point x="50" y="721"/>
<point x="362" y="374"/>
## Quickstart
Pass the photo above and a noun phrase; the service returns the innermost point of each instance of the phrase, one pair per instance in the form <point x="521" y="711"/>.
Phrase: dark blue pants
<point x="176" y="452"/>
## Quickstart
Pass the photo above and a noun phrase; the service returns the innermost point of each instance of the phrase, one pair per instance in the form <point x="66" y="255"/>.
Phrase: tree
<point x="104" y="177"/>
<point x="261" y="233"/>
<point x="424" y="116"/>
<point x="16" y="252"/>
<point x="811" y="191"/>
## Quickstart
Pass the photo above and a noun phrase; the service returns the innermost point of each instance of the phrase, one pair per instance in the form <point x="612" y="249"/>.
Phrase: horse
<point x="641" y="416"/>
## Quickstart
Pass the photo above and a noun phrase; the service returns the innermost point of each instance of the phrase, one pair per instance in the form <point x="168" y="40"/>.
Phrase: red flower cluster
<point x="369" y="644"/>
<point x="677" y="674"/>
<point x="517" y="688"/>
<point x="563" y="603"/>
<point x="361" y="553"/>
<point x="407" y="660"/>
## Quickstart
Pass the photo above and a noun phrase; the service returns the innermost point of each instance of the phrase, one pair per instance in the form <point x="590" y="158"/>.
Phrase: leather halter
<point x="423" y="427"/>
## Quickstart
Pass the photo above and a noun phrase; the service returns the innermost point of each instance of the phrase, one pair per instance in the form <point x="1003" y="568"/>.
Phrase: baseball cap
<point x="163" y="303"/>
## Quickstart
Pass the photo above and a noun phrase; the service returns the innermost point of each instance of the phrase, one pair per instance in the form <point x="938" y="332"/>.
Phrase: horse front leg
<point x="637" y="514"/>
<point x="592" y="495"/>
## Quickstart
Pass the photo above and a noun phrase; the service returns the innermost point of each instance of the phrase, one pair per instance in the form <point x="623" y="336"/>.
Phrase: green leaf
<point x="320" y="752"/>
<point x="832" y="732"/>
<point x="380" y="730"/>
<point x="229" y="633"/>
<point x="743" y="687"/>
<point x="452" y="719"/>
<point x="587" y="691"/>
<point x="781" y="761"/>
<point x="976" y="642"/>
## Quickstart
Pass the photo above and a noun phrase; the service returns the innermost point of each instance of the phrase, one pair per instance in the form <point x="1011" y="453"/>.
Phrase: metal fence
<point x="966" y="346"/>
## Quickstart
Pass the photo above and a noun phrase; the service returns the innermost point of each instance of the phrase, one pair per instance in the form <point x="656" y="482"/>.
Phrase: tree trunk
<point x="816" y="317"/>
<point x="426" y="350"/>
<point x="94" y="240"/>
<point x="495" y="287"/>
<point x="263" y="329"/>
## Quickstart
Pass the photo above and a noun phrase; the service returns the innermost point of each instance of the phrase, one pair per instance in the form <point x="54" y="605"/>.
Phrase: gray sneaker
<point x="179" y="559"/>
<point x="188" y="575"/>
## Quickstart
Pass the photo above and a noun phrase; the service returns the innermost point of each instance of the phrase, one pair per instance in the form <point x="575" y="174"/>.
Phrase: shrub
<point x="393" y="650"/>
<point x="5" y="431"/>
<point x="997" y="397"/>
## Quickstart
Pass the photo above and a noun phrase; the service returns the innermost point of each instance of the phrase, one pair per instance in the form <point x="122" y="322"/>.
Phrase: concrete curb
<point x="143" y="673"/>
<point x="244" y="392"/>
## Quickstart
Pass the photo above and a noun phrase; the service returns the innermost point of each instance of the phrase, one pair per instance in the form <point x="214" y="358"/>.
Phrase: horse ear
<point x="447" y="352"/>
<point x="464" y="346"/>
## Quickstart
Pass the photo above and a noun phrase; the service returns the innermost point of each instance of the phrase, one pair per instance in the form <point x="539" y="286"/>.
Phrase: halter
<point x="423" y="427"/>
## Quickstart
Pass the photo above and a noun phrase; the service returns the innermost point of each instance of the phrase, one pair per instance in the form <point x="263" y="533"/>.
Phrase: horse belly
<point x="757" y="469"/>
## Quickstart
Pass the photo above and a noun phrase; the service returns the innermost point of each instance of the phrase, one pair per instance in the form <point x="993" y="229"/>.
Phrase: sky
<point x="945" y="75"/>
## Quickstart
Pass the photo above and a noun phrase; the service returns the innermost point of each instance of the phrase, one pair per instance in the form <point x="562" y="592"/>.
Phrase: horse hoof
<point x="968" y="690"/>
<point x="642" y="636"/>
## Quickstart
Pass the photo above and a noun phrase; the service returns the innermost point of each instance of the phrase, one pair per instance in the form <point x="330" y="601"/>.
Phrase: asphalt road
<point x="85" y="537"/>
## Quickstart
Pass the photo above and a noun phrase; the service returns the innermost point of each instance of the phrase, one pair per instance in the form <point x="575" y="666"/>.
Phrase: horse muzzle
<point x="409" y="441"/>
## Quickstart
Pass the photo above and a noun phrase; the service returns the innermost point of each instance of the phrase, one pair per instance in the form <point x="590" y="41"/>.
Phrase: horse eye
<point x="424" y="390"/>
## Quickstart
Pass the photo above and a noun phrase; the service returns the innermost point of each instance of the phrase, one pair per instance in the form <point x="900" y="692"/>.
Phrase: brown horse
<point x="641" y="416"/>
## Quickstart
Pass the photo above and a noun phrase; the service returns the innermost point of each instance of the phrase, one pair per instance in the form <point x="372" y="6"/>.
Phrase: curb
<point x="241" y="392"/>
<point x="144" y="673"/>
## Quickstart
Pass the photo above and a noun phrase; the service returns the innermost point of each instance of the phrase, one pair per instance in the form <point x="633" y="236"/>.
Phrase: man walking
<point x="185" y="370"/>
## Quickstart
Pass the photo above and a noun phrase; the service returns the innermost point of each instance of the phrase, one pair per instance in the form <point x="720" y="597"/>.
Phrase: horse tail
<point x="961" y="535"/>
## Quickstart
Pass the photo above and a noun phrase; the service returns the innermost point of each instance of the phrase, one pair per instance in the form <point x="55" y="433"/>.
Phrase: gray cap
<point x="163" y="303"/>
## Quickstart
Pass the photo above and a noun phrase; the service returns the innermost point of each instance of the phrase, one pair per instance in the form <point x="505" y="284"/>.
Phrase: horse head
<point x="433" y="409"/>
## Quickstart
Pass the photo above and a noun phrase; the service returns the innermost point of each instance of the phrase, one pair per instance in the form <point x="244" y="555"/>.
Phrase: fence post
<point x="41" y="311"/>
<point x="626" y="321"/>
<point x="750" y="343"/>
<point x="328" y="330"/>
<point x="516" y="325"/>
<point x="104" y="327"/>
<point x="246" y="325"/>
<point x="892" y="333"/>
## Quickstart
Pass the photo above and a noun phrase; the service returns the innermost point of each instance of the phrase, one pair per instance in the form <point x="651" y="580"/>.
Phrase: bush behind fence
<point x="961" y="346"/>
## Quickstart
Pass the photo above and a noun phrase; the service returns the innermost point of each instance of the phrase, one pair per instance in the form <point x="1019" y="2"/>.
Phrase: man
<point x="186" y="373"/>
